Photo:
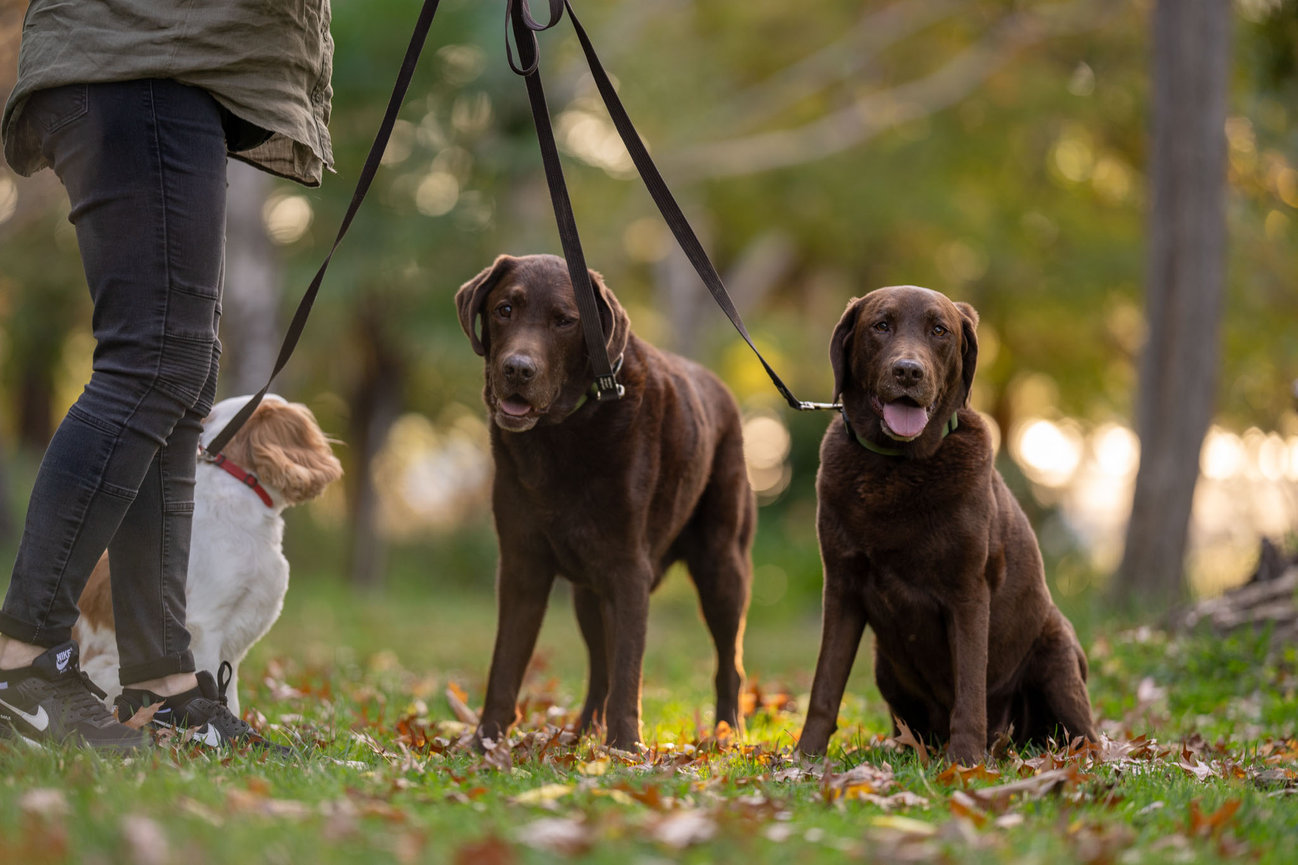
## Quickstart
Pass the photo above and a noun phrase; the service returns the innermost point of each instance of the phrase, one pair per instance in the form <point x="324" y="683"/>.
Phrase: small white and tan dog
<point x="238" y="575"/>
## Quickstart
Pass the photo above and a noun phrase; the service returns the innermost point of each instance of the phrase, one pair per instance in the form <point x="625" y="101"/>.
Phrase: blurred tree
<point x="250" y="328"/>
<point x="1183" y="289"/>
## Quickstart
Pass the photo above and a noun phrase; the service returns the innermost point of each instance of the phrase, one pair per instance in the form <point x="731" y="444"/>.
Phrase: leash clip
<point x="607" y="388"/>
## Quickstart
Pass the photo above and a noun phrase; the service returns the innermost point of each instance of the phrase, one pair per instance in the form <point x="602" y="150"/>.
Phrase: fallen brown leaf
<point x="683" y="829"/>
<point x="146" y="840"/>
<point x="998" y="798"/>
<point x="566" y="836"/>
<point x="907" y="739"/>
<point x="859" y="781"/>
<point x="458" y="701"/>
<point x="141" y="717"/>
<point x="955" y="773"/>
<point x="44" y="802"/>
<point x="1213" y="824"/>
<point x="488" y="851"/>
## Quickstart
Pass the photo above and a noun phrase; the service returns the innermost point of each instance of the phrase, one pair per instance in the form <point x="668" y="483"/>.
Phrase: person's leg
<point x="144" y="166"/>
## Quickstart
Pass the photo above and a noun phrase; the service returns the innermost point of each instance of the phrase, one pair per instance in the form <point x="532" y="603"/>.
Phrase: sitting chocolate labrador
<point x="606" y="493"/>
<point x="921" y="539"/>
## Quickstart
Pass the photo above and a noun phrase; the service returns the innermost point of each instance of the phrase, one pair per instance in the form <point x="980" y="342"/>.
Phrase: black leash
<point x="524" y="27"/>
<point x="368" y="171"/>
<point x="519" y="19"/>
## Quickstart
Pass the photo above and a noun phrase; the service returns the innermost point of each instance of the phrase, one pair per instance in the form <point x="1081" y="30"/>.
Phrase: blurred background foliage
<point x="993" y="149"/>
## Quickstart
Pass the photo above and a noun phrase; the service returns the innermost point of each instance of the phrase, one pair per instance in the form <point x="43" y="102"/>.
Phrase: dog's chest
<point x="910" y="532"/>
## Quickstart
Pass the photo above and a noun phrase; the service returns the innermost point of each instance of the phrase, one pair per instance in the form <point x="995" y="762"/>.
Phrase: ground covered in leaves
<point x="1198" y="763"/>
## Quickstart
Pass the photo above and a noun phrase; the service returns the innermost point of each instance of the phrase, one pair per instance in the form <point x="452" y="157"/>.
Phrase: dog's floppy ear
<point x="840" y="345"/>
<point x="612" y="317"/>
<point x="473" y="294"/>
<point x="284" y="446"/>
<point x="969" y="352"/>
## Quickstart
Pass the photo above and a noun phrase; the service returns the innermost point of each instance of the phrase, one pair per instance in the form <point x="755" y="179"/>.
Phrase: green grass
<point x="365" y="678"/>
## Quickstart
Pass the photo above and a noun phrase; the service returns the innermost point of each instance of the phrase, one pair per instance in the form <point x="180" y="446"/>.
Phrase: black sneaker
<point x="201" y="712"/>
<point x="53" y="701"/>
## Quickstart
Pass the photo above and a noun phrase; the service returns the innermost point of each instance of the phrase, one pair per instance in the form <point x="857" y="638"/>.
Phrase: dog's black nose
<point x="907" y="372"/>
<point x="518" y="368"/>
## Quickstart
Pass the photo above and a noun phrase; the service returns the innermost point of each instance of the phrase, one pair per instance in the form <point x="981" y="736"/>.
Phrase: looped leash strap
<point x="524" y="28"/>
<point x="371" y="167"/>
<point x="667" y="205"/>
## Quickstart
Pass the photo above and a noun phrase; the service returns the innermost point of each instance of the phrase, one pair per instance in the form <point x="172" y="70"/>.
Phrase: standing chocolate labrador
<point x="921" y="539"/>
<point x="608" y="494"/>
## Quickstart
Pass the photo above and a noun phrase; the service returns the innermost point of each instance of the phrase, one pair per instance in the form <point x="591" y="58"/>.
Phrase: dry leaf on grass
<point x="566" y="836"/>
<point x="908" y="739"/>
<point x="142" y="717"/>
<point x="1212" y="824"/>
<point x="684" y="829"/>
<point x="146" y="840"/>
<point x="458" y="701"/>
<point x="998" y="798"/>
<point x="864" y="779"/>
<point x="488" y="851"/>
<point x="955" y="773"/>
<point x="44" y="802"/>
<point x="545" y="795"/>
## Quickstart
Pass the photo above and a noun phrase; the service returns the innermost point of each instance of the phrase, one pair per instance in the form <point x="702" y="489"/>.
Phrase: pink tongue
<point x="516" y="406"/>
<point x="905" y="420"/>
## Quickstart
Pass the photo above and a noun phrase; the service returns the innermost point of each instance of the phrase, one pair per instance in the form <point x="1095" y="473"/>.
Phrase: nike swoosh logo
<point x="207" y="734"/>
<point x="39" y="722"/>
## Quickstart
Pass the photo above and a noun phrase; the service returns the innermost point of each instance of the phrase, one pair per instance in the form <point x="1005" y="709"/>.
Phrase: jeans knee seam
<point x="92" y="421"/>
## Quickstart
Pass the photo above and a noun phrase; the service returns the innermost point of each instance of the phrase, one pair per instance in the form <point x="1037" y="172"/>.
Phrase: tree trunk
<point x="250" y="332"/>
<point x="375" y="406"/>
<point x="1184" y="289"/>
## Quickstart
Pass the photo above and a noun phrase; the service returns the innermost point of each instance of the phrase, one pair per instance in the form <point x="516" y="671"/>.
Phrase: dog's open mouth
<point x="516" y="413"/>
<point x="516" y="406"/>
<point x="904" y="418"/>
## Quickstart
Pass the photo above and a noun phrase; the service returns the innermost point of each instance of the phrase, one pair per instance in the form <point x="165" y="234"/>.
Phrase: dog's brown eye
<point x="564" y="321"/>
<point x="882" y="326"/>
<point x="504" y="310"/>
<point x="940" y="330"/>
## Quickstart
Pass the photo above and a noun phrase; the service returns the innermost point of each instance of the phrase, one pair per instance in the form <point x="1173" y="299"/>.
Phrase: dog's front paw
<point x="487" y="737"/>
<point x="966" y="750"/>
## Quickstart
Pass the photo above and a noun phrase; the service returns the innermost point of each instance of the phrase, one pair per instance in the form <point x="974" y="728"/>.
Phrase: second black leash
<point x="524" y="29"/>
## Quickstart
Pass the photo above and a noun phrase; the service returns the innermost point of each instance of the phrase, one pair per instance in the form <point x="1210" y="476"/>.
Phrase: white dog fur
<point x="238" y="575"/>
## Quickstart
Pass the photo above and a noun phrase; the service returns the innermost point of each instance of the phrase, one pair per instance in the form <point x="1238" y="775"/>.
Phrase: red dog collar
<point x="244" y="477"/>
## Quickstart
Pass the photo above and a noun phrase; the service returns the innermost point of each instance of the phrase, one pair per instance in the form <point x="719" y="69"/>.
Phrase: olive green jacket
<point x="268" y="62"/>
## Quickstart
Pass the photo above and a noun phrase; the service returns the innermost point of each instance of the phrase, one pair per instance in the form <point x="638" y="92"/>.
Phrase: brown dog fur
<point x="926" y="544"/>
<point x="607" y="494"/>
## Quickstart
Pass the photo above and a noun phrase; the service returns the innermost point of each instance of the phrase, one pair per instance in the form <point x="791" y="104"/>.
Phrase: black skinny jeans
<point x="144" y="165"/>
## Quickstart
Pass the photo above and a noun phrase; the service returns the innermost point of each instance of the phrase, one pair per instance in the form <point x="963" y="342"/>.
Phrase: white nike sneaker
<point x="53" y="702"/>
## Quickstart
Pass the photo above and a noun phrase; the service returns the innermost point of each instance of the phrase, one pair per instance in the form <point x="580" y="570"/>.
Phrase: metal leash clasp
<point x="607" y="388"/>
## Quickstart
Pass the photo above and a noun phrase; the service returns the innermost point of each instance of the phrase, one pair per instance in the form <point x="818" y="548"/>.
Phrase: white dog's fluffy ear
<point x="284" y="446"/>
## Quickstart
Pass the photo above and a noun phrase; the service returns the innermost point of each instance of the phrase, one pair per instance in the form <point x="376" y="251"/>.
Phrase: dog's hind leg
<point x="926" y="720"/>
<point x="716" y="548"/>
<point x="590" y="619"/>
<point x="723" y="580"/>
<point x="1058" y="673"/>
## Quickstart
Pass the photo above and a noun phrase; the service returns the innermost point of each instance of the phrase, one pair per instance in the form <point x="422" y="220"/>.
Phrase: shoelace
<point x="224" y="675"/>
<point x="83" y="697"/>
<point x="218" y="710"/>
